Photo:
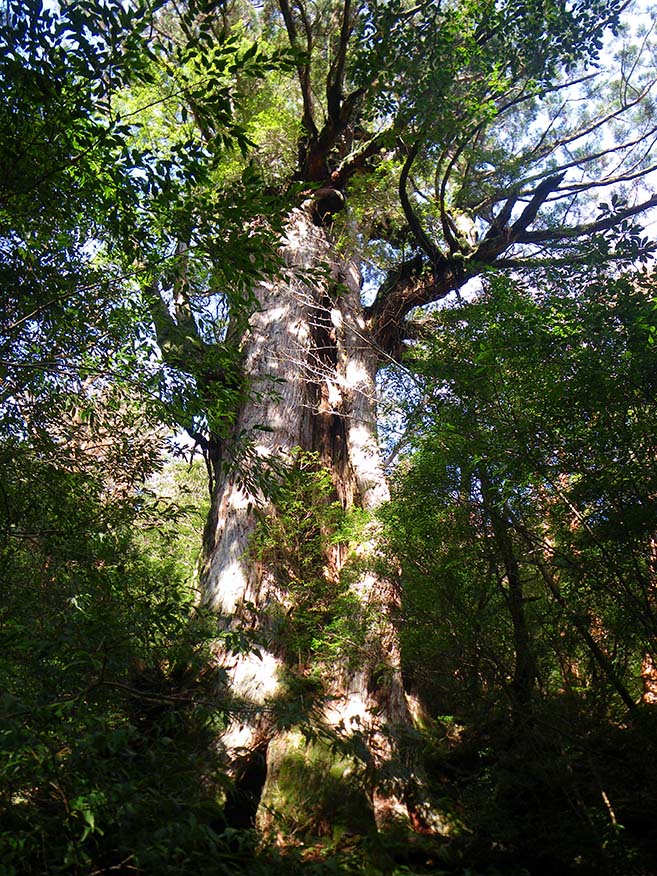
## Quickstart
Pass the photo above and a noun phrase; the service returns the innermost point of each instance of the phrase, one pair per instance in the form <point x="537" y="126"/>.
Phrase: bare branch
<point x="411" y="284"/>
<point x="335" y="79"/>
<point x="303" y="68"/>
<point x="538" y="199"/>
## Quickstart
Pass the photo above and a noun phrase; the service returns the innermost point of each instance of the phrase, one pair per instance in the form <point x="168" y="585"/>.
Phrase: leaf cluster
<point x="109" y="697"/>
<point x="319" y="617"/>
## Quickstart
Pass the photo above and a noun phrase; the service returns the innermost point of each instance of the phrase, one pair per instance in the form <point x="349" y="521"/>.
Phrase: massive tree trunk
<point x="310" y="366"/>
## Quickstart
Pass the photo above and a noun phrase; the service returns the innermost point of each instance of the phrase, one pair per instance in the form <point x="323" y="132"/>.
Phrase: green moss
<point x="313" y="791"/>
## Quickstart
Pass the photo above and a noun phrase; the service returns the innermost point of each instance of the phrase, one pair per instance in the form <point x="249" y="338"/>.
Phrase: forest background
<point x="340" y="246"/>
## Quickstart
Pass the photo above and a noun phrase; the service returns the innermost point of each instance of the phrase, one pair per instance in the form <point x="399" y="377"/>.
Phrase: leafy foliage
<point x="320" y="617"/>
<point x="106" y="676"/>
<point x="94" y="209"/>
<point x="525" y="525"/>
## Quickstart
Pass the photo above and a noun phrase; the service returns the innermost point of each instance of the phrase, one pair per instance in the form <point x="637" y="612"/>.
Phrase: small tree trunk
<point x="525" y="671"/>
<point x="312" y="374"/>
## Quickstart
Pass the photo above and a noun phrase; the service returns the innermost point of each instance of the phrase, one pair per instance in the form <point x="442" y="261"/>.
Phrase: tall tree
<point x="489" y="122"/>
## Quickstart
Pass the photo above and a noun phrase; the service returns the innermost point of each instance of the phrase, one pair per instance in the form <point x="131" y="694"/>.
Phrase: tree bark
<point x="310" y="367"/>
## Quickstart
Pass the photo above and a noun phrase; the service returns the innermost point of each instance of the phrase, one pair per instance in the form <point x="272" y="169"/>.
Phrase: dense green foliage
<point x="135" y="218"/>
<point x="102" y="184"/>
<point x="106" y="677"/>
<point x="545" y="424"/>
<point x="524" y="521"/>
<point x="318" y="619"/>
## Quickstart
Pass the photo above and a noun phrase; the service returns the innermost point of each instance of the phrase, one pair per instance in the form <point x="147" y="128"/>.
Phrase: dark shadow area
<point x="243" y="798"/>
<point x="563" y="793"/>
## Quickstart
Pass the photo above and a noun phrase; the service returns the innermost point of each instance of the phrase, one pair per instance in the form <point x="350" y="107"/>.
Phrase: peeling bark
<point x="311" y="364"/>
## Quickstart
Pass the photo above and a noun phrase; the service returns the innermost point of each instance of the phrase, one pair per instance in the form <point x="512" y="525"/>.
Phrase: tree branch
<point x="411" y="284"/>
<point x="335" y="78"/>
<point x="413" y="222"/>
<point x="538" y="199"/>
<point x="303" y="69"/>
<point x="417" y="282"/>
<point x="357" y="160"/>
<point x="585" y="228"/>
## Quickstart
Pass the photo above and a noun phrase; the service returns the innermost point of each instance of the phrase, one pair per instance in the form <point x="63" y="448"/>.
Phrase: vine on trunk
<point x="319" y="617"/>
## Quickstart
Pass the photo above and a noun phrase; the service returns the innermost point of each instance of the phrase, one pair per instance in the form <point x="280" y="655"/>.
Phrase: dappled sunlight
<point x="328" y="680"/>
<point x="256" y="677"/>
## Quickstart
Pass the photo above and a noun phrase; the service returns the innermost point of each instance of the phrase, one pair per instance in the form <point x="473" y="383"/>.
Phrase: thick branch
<point x="358" y="160"/>
<point x="538" y="199"/>
<point x="412" y="284"/>
<point x="500" y="235"/>
<point x="415" y="283"/>
<point x="303" y="69"/>
<point x="335" y="80"/>
<point x="420" y="281"/>
<point x="179" y="347"/>
<point x="411" y="218"/>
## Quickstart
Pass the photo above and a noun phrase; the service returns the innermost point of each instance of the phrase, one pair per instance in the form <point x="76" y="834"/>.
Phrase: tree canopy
<point x="252" y="223"/>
